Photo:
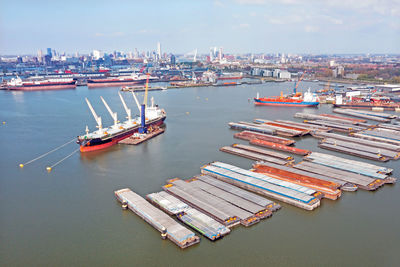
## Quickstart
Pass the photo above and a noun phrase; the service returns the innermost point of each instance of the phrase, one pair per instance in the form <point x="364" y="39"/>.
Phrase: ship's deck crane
<point x="128" y="110"/>
<point x="97" y="118"/>
<point x="297" y="83"/>
<point x="113" y="114"/>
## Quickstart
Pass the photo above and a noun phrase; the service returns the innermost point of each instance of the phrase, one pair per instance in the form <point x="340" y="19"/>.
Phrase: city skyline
<point x="242" y="26"/>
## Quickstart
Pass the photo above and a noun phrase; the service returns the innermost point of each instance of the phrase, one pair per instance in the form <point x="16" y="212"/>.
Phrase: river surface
<point x="69" y="217"/>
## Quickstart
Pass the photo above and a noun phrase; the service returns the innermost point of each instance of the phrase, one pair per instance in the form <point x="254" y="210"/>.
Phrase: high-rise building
<point x="136" y="55"/>
<point x="97" y="54"/>
<point x="173" y="60"/>
<point x="49" y="52"/>
<point x="211" y="53"/>
<point x="220" y="54"/>
<point x="159" y="50"/>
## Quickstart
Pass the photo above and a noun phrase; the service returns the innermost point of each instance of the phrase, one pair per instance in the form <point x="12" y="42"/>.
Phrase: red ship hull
<point x="43" y="87"/>
<point x="114" y="140"/>
<point x="111" y="84"/>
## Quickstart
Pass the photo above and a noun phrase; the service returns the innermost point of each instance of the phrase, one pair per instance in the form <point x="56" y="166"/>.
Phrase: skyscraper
<point x="159" y="50"/>
<point x="173" y="60"/>
<point x="49" y="52"/>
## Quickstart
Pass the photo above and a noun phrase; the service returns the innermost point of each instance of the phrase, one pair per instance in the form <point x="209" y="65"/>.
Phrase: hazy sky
<point x="288" y="26"/>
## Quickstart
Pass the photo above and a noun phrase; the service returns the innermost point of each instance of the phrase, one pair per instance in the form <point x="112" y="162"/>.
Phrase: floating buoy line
<point x="49" y="168"/>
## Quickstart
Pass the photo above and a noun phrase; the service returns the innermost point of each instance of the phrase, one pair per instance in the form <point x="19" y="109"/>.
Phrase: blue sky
<point x="287" y="26"/>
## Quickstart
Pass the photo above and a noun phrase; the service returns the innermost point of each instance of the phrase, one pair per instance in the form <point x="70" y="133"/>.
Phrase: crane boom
<point x="113" y="114"/>
<point x="137" y="101"/>
<point x="97" y="118"/>
<point x="146" y="91"/>
<point x="297" y="84"/>
<point x="128" y="111"/>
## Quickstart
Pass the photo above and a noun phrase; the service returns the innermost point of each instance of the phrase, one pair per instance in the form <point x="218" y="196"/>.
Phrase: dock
<point x="158" y="219"/>
<point x="278" y="192"/>
<point x="200" y="222"/>
<point x="140" y="138"/>
<point x="249" y="135"/>
<point x="252" y="155"/>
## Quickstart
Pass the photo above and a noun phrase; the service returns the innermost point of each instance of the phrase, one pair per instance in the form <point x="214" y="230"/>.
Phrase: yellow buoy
<point x="4" y="122"/>
<point x="21" y="165"/>
<point x="187" y="113"/>
<point x="48" y="169"/>
<point x="206" y="98"/>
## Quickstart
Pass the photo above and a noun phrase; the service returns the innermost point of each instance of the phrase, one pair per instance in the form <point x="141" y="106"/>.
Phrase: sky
<point x="239" y="26"/>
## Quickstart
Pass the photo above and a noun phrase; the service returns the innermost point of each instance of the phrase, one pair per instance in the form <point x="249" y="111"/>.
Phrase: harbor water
<point x="70" y="216"/>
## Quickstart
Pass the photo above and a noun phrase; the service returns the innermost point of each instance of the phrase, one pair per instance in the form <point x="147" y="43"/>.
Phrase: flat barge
<point x="283" y="191"/>
<point x="257" y="210"/>
<point x="305" y="125"/>
<point x="363" y="182"/>
<point x="202" y="223"/>
<point x="264" y="152"/>
<point x="241" y="126"/>
<point x="244" y="217"/>
<point x="158" y="219"/>
<point x="252" y="155"/>
<point x="329" y="189"/>
<point x="249" y="135"/>
<point x="259" y="200"/>
<point x="386" y="146"/>
<point x="280" y="147"/>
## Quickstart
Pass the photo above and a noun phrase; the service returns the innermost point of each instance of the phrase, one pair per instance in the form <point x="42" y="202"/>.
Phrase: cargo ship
<point x="358" y="103"/>
<point x="107" y="137"/>
<point x="133" y="79"/>
<point x="46" y="84"/>
<point x="297" y="100"/>
<point x="230" y="76"/>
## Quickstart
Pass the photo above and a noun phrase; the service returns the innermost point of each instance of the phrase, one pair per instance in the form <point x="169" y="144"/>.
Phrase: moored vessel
<point x="308" y="100"/>
<point x="46" y="84"/>
<point x="109" y="136"/>
<point x="133" y="79"/>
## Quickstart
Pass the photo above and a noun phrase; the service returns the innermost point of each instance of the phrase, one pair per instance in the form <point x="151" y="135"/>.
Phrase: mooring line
<point x="45" y="154"/>
<point x="61" y="160"/>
